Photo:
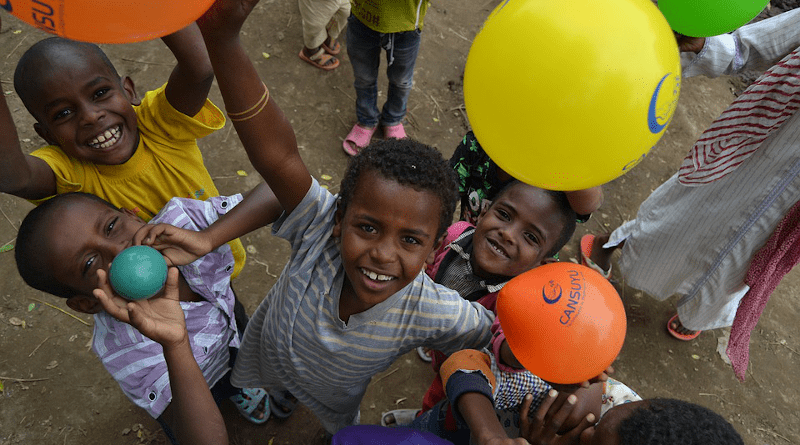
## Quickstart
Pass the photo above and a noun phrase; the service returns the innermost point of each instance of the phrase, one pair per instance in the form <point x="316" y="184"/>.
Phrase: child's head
<point x="62" y="243"/>
<point x="523" y="228"/>
<point x="79" y="101"/>
<point x="661" y="422"/>
<point x="397" y="199"/>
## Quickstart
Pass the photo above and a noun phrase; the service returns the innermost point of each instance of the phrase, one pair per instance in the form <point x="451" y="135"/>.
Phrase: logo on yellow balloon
<point x="662" y="103"/>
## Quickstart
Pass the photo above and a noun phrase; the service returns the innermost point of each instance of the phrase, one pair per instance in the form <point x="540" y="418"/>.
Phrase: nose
<point x="115" y="247"/>
<point x="382" y="250"/>
<point x="91" y="113"/>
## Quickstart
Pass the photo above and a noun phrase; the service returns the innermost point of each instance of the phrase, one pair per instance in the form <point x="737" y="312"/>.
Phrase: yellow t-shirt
<point x="167" y="163"/>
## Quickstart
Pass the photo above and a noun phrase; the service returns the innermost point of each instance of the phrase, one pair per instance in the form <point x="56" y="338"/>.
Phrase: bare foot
<point x="600" y="255"/>
<point x="679" y="331"/>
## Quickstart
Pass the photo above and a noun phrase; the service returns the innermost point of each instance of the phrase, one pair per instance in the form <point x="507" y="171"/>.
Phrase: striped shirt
<point x="136" y="362"/>
<point x="296" y="341"/>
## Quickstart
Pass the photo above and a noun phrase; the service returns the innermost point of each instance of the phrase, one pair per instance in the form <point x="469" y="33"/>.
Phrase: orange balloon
<point x="563" y="321"/>
<point x="107" y="21"/>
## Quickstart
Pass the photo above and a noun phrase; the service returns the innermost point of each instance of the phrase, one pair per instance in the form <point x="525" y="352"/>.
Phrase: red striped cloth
<point x="747" y="122"/>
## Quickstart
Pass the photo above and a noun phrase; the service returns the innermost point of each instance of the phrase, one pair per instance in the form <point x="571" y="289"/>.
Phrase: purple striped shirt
<point x="136" y="362"/>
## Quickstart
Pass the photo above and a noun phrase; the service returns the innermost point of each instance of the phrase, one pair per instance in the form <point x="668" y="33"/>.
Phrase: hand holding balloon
<point x="138" y="272"/>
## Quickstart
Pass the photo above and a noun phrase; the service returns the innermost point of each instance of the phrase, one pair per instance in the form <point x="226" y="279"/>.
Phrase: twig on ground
<point x="342" y="121"/>
<point x="37" y="348"/>
<point x="774" y="434"/>
<point x="15" y="48"/>
<point x="719" y="397"/>
<point x="265" y="266"/>
<point x="2" y="377"/>
<point x="59" y="309"/>
<point x="459" y="35"/>
<point x="9" y="220"/>
<point x="228" y="133"/>
<point x="144" y="62"/>
<point x="342" y="91"/>
<point x="385" y="375"/>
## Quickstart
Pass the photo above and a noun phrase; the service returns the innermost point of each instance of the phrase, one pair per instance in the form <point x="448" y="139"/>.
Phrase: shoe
<point x="587" y="241"/>
<point x="394" y="132"/>
<point x="320" y="59"/>
<point x="248" y="401"/>
<point x="678" y="335"/>
<point x="399" y="417"/>
<point x="422" y="352"/>
<point x="357" y="139"/>
<point x="332" y="50"/>
<point x="282" y="404"/>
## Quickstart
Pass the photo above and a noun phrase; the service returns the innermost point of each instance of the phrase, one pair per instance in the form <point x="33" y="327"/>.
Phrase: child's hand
<point x="179" y="246"/>
<point x="159" y="318"/>
<point x="224" y="18"/>
<point x="602" y="377"/>
<point x="543" y="428"/>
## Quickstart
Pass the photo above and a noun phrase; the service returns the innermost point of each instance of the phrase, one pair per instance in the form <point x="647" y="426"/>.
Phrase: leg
<point x="335" y="27"/>
<point x="316" y="15"/>
<point x="363" y="47"/>
<point x="402" y="59"/>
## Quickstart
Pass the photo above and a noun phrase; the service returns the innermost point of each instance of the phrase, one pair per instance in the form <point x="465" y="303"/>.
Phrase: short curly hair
<point x="33" y="243"/>
<point x="671" y="421"/>
<point x="410" y="163"/>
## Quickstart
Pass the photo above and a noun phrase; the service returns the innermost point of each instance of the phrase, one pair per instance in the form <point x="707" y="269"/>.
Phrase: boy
<point x="352" y="297"/>
<point x="136" y="153"/>
<point x="83" y="233"/>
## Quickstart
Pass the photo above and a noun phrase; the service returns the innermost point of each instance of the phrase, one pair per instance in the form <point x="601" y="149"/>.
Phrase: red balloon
<point x="563" y="321"/>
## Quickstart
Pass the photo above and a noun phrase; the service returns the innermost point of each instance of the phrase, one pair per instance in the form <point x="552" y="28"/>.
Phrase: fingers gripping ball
<point x="570" y="95"/>
<point x="709" y="17"/>
<point x="564" y="322"/>
<point x="138" y="272"/>
<point x="104" y="21"/>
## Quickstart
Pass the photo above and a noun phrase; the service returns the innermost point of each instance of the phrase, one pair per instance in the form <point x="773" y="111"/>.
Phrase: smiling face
<point x="387" y="232"/>
<point x="516" y="232"/>
<point x="85" y="236"/>
<point x="82" y="106"/>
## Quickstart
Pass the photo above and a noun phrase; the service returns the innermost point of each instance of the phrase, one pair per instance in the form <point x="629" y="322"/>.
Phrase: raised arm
<point x="264" y="131"/>
<point x="192" y="76"/>
<point x="22" y="175"/>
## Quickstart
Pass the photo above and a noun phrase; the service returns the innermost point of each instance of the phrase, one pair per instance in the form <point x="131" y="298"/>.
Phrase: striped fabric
<point x="747" y="122"/>
<point x="296" y="341"/>
<point x="136" y="362"/>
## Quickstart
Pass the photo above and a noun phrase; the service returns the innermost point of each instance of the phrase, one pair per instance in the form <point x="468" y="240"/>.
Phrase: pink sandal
<point x="357" y="139"/>
<point x="394" y="131"/>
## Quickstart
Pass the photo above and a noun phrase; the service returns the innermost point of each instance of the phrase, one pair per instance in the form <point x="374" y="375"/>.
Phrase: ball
<point x="563" y="321"/>
<point x="138" y="272"/>
<point x="570" y="95"/>
<point x="709" y="17"/>
<point x="105" y="21"/>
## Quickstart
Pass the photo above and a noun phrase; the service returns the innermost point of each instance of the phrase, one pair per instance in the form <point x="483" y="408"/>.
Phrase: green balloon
<point x="704" y="18"/>
<point x="138" y="272"/>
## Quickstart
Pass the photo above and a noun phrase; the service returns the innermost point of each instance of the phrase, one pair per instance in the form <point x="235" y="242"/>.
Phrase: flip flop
<point x="423" y="354"/>
<point x="334" y="50"/>
<point x="282" y="404"/>
<point x="402" y="417"/>
<point x="357" y="139"/>
<point x="321" y="59"/>
<point x="586" y="252"/>
<point x="394" y="132"/>
<point x="248" y="400"/>
<point x="678" y="335"/>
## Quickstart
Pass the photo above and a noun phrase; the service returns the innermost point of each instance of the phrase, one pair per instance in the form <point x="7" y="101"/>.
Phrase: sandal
<point x="399" y="417"/>
<point x="320" y="59"/>
<point x="332" y="50"/>
<point x="674" y="332"/>
<point x="587" y="241"/>
<point x="282" y="404"/>
<point x="394" y="132"/>
<point x="423" y="353"/>
<point x="249" y="400"/>
<point x="357" y="139"/>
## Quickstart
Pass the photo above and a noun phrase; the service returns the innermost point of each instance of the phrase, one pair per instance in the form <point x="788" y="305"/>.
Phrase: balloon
<point x="564" y="322"/>
<point x="570" y="95"/>
<point x="138" y="272"/>
<point x="709" y="17"/>
<point x="107" y="21"/>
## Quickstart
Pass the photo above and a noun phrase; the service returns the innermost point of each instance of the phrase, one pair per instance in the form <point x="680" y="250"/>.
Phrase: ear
<point x="337" y="217"/>
<point x="438" y="245"/>
<point x="84" y="304"/>
<point x="44" y="133"/>
<point x="127" y="85"/>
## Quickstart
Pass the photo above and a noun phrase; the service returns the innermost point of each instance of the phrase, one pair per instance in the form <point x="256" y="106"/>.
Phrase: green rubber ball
<point x="138" y="272"/>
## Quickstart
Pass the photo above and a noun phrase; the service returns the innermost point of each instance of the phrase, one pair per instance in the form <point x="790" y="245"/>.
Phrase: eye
<point x="532" y="238"/>
<point x="61" y="114"/>
<point x="502" y="214"/>
<point x="111" y="225"/>
<point x="411" y="240"/>
<point x="88" y="265"/>
<point x="368" y="228"/>
<point x="101" y="92"/>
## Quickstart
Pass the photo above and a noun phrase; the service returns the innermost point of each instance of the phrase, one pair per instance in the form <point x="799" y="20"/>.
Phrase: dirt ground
<point x="55" y="391"/>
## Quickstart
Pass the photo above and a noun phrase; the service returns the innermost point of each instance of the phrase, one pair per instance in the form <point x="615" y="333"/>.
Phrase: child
<point x="136" y="153"/>
<point x="352" y="297"/>
<point x="82" y="233"/>
<point x="394" y="26"/>
<point x="479" y="180"/>
<point x="323" y="20"/>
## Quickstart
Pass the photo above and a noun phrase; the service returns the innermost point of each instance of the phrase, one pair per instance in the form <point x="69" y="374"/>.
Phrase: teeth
<point x="375" y="276"/>
<point x="497" y="249"/>
<point x="106" y="139"/>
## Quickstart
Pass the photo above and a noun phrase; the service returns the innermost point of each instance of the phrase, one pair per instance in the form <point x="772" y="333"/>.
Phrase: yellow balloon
<point x="570" y="95"/>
